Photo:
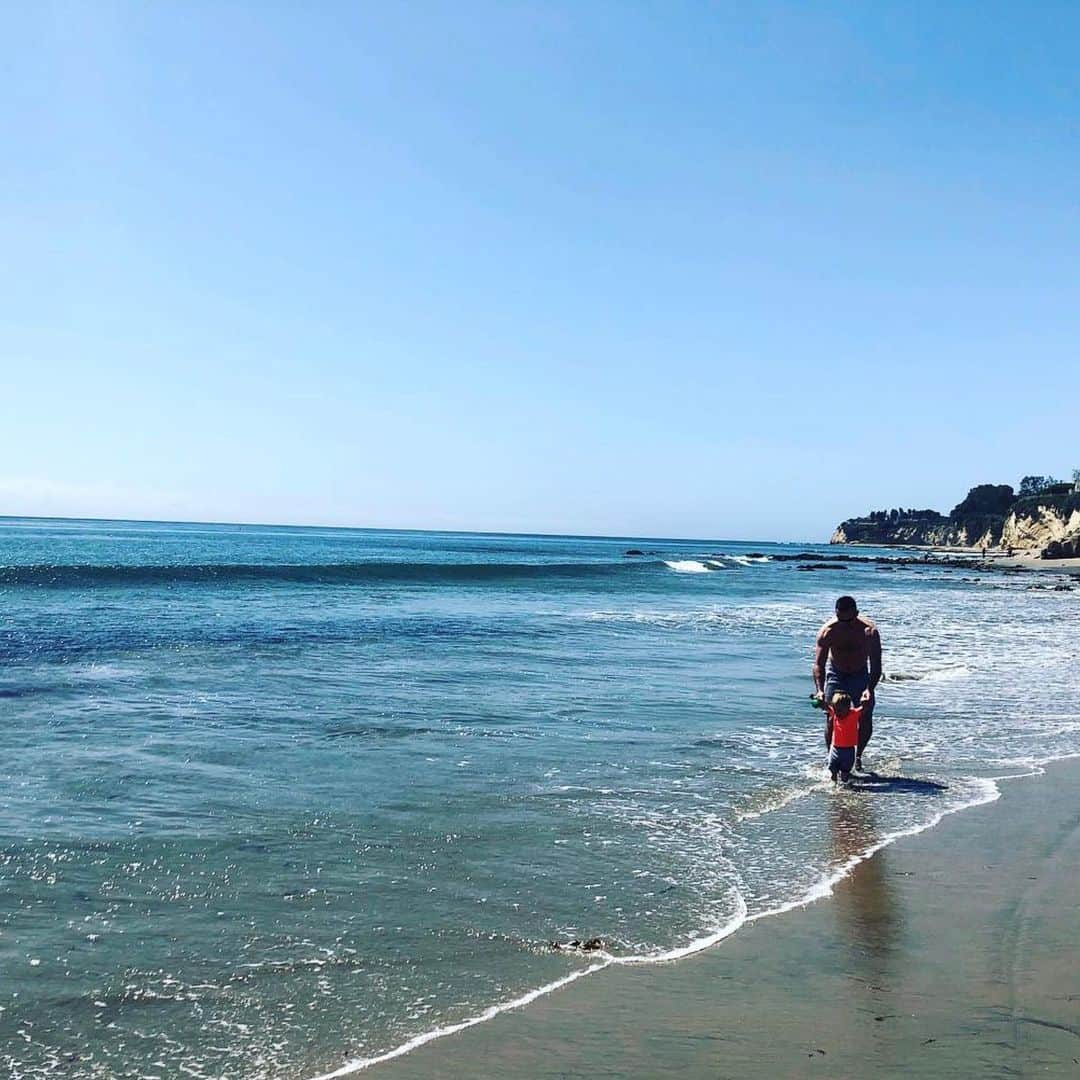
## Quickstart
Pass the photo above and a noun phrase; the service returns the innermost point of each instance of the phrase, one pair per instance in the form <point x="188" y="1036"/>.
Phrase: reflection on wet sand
<point x="865" y="904"/>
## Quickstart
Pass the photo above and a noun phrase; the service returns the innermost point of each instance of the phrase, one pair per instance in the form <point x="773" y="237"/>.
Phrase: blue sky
<point x="701" y="269"/>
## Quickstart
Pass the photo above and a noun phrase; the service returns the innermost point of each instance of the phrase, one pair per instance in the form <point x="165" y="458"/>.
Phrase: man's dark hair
<point x="846" y="603"/>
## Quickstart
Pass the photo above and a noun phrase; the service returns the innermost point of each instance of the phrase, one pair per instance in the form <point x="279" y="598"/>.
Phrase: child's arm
<point x="828" y="730"/>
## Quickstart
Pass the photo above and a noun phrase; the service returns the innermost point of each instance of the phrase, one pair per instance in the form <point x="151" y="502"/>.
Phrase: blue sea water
<point x="276" y="801"/>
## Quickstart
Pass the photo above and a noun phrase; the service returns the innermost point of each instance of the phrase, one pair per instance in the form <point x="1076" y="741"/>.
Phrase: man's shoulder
<point x="869" y="626"/>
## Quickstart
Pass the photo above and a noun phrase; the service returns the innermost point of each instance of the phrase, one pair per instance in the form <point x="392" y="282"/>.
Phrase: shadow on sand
<point x="876" y="784"/>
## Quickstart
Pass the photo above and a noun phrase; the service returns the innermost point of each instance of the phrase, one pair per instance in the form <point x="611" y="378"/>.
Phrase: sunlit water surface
<point x="272" y="800"/>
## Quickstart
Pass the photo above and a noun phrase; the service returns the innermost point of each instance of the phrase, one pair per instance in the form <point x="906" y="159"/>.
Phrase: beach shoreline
<point x="998" y="559"/>
<point x="944" y="953"/>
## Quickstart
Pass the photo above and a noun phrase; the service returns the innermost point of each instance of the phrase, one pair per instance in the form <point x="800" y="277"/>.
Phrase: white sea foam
<point x="944" y="674"/>
<point x="928" y="674"/>
<point x="706" y="941"/>
<point x="489" y="1013"/>
<point x="738" y="560"/>
<point x="784" y="799"/>
<point x="687" y="566"/>
<point x="779" y="616"/>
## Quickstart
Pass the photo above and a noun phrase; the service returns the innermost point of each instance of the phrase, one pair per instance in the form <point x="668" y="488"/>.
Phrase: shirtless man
<point x="848" y="659"/>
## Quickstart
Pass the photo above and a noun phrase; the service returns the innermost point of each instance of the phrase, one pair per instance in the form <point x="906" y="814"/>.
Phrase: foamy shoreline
<point x="683" y="1018"/>
<point x="457" y="1056"/>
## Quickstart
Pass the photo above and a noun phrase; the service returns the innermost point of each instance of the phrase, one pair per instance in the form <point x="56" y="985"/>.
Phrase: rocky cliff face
<point x="971" y="532"/>
<point x="1053" y="531"/>
<point x="862" y="531"/>
<point x="1048" y="526"/>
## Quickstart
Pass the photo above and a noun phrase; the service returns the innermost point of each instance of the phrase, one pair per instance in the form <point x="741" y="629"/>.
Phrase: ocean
<point x="277" y="802"/>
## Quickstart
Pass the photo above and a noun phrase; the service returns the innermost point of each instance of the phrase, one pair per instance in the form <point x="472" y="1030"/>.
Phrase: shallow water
<point x="276" y="799"/>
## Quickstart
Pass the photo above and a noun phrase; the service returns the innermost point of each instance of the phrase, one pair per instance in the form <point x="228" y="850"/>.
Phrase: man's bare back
<point x="851" y="644"/>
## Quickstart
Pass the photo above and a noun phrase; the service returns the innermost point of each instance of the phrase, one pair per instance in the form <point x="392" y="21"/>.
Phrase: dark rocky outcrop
<point x="592" y="945"/>
<point x="1062" y="549"/>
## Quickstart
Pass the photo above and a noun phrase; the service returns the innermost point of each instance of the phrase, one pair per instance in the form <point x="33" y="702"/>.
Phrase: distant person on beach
<point x="841" y="734"/>
<point x="848" y="659"/>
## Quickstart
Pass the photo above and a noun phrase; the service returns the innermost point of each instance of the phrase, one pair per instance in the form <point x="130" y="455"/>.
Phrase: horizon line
<point x="376" y="528"/>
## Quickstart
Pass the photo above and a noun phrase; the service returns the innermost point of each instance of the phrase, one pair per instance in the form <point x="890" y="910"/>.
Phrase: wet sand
<point x="949" y="953"/>
<point x="1029" y="562"/>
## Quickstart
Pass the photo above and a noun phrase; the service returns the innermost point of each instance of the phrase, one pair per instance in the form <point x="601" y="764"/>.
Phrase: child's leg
<point x="842" y="761"/>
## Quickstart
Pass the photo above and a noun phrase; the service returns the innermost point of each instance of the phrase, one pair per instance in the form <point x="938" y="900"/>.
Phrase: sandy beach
<point x="1022" y="561"/>
<point x="1030" y="563"/>
<point x="949" y="953"/>
<point x="994" y="557"/>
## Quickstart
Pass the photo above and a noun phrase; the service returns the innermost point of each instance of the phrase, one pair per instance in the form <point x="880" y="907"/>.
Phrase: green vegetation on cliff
<point x="985" y="499"/>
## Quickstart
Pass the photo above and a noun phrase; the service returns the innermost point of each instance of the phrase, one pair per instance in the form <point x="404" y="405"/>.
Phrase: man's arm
<point x="821" y="654"/>
<point x="875" y="657"/>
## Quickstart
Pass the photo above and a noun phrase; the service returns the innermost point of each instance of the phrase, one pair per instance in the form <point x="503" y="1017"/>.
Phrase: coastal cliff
<point x="1045" y="523"/>
<point x="1052" y="531"/>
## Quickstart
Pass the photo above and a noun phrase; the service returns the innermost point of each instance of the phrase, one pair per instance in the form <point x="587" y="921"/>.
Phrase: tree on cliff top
<point x="986" y="499"/>
<point x="1033" y="485"/>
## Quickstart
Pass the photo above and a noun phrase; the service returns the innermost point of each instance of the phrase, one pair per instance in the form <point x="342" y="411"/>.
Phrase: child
<point x="841" y="734"/>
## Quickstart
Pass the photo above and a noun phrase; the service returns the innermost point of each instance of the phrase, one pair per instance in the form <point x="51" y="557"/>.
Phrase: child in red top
<point x="841" y="734"/>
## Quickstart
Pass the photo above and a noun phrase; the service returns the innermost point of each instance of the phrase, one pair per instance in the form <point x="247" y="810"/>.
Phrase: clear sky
<point x="701" y="269"/>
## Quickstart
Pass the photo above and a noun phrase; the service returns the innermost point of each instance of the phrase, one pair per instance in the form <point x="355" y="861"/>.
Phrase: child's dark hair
<point x="840" y="698"/>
